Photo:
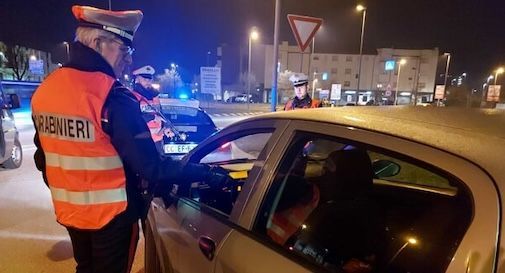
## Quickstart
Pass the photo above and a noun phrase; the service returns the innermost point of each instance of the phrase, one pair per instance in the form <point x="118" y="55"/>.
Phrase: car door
<point x="192" y="228"/>
<point x="2" y="138"/>
<point x="9" y="130"/>
<point x="426" y="210"/>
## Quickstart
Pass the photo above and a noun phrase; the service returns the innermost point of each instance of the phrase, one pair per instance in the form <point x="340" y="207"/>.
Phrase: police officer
<point x="94" y="147"/>
<point x="150" y="105"/>
<point x="302" y="99"/>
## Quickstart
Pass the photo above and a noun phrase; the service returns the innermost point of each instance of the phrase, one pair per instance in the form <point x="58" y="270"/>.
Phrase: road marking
<point x="31" y="236"/>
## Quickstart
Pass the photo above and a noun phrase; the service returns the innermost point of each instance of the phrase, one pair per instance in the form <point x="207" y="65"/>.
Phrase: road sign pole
<point x="276" y="55"/>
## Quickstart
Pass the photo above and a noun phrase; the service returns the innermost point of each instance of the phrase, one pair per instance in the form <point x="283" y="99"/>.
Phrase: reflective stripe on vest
<point x="148" y="107"/>
<point x="89" y="197"/>
<point x="84" y="171"/>
<point x="83" y="163"/>
<point x="285" y="223"/>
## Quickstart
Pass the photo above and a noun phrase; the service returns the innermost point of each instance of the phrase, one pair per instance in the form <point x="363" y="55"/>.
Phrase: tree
<point x="243" y="80"/>
<point x="283" y="81"/>
<point x="3" y="57"/>
<point x="17" y="60"/>
<point x="284" y="85"/>
<point x="170" y="81"/>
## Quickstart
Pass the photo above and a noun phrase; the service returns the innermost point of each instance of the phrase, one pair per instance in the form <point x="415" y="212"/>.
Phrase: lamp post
<point x="314" y="81"/>
<point x="174" y="74"/>
<point x="411" y="241"/>
<point x="67" y="47"/>
<point x="400" y="63"/>
<point x="498" y="72"/>
<point x="361" y="8"/>
<point x="446" y="74"/>
<point x="273" y="105"/>
<point x="253" y="35"/>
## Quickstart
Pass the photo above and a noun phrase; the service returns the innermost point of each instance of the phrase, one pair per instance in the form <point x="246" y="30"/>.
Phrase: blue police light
<point x="183" y="96"/>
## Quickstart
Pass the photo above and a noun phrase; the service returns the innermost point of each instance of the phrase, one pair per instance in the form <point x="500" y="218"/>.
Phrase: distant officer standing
<point x="94" y="147"/>
<point x="302" y="99"/>
<point x="150" y="104"/>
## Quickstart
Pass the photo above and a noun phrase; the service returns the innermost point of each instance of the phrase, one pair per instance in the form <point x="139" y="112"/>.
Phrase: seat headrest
<point x="349" y="172"/>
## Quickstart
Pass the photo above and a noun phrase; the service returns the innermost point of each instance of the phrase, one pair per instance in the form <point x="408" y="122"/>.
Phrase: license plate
<point x="178" y="148"/>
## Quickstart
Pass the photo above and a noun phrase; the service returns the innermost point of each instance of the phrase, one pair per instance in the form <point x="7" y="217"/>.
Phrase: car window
<point x="413" y="174"/>
<point x="238" y="155"/>
<point x="327" y="205"/>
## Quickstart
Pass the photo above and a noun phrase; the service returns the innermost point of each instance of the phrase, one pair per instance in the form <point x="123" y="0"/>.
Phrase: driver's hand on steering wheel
<point x="219" y="178"/>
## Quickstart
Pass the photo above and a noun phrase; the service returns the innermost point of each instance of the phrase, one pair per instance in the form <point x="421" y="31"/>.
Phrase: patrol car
<point x="11" y="154"/>
<point x="191" y="125"/>
<point x="370" y="189"/>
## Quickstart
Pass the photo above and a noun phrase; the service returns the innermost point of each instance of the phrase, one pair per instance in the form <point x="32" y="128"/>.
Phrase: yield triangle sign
<point x="304" y="28"/>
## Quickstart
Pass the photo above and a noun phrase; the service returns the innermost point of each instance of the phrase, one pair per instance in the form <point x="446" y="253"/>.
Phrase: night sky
<point x="182" y="31"/>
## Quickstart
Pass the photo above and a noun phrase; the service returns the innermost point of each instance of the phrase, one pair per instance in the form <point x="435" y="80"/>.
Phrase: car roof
<point x="475" y="134"/>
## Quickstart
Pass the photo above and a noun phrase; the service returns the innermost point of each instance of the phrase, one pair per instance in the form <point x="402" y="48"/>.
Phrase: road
<point x="32" y="241"/>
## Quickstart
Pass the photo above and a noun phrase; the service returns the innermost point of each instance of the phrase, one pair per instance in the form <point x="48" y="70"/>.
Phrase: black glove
<point x="218" y="178"/>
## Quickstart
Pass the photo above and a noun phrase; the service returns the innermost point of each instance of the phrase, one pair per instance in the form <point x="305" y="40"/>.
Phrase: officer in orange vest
<point x="94" y="147"/>
<point x="150" y="104"/>
<point x="302" y="99"/>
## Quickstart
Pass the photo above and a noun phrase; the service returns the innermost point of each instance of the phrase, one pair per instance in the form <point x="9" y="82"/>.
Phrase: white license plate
<point x="178" y="148"/>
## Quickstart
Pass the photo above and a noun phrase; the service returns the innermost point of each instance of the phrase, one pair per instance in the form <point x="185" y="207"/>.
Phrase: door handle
<point x="207" y="246"/>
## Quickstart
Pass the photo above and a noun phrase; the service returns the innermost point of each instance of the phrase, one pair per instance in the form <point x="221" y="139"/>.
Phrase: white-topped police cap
<point x="122" y="23"/>
<point x="299" y="79"/>
<point x="145" y="71"/>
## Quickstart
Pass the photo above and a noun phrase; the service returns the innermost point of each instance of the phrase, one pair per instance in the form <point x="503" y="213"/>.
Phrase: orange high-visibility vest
<point x="148" y="107"/>
<point x="289" y="105"/>
<point x="285" y="223"/>
<point x="84" y="172"/>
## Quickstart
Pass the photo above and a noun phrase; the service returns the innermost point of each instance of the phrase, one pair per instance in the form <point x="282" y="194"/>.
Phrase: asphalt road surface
<point x="31" y="240"/>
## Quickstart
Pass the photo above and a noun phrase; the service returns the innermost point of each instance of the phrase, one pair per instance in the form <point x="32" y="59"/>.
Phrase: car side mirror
<point x="385" y="168"/>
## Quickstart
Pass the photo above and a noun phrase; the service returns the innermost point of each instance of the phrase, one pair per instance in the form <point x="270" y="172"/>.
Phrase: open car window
<point x="238" y="156"/>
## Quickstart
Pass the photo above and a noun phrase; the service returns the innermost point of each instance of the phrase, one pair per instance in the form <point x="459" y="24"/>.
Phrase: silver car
<point x="11" y="155"/>
<point x="352" y="189"/>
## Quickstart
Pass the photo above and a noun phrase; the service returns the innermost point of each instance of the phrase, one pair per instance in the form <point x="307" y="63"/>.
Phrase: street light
<point x="498" y="72"/>
<point x="314" y="84"/>
<point x="446" y="74"/>
<point x="67" y="47"/>
<point x="33" y="58"/>
<point x="208" y="58"/>
<point x="253" y="35"/>
<point x="314" y="80"/>
<point x="361" y="8"/>
<point x="400" y="63"/>
<point x="411" y="241"/>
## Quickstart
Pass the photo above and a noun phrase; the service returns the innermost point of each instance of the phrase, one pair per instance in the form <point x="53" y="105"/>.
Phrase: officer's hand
<point x="218" y="178"/>
<point x="169" y="133"/>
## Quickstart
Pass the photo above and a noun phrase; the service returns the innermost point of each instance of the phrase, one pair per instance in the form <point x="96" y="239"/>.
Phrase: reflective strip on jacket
<point x="155" y="121"/>
<point x="84" y="172"/>
<point x="313" y="104"/>
<point x="286" y="223"/>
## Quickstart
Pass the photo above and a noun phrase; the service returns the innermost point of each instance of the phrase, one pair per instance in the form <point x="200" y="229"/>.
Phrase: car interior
<point x="365" y="216"/>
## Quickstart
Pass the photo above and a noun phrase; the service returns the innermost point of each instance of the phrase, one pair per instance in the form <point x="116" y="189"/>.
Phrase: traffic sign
<point x="304" y="28"/>
<point x="493" y="93"/>
<point x="440" y="92"/>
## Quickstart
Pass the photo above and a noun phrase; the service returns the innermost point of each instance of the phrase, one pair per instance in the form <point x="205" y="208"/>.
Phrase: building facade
<point x="379" y="81"/>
